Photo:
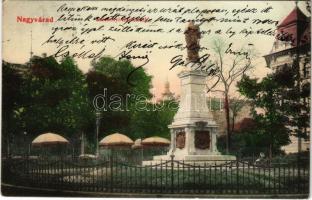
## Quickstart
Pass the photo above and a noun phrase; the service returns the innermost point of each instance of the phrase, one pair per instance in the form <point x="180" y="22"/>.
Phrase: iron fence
<point x="171" y="176"/>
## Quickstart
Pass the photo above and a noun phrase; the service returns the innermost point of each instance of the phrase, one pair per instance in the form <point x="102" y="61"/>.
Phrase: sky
<point x="17" y="41"/>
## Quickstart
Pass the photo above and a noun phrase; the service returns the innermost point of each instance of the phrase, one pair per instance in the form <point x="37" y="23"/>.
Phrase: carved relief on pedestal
<point x="180" y="140"/>
<point x="202" y="139"/>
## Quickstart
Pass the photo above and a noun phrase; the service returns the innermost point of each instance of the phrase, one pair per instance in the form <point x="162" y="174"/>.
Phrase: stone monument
<point x="193" y="130"/>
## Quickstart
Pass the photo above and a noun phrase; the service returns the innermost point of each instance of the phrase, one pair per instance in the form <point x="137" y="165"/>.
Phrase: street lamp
<point x="27" y="148"/>
<point x="98" y="120"/>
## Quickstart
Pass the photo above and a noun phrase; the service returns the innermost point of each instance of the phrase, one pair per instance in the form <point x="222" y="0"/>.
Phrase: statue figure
<point x="192" y="36"/>
<point x="260" y="159"/>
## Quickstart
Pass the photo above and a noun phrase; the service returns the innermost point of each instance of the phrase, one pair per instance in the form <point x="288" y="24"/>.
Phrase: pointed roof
<point x="167" y="87"/>
<point x="293" y="28"/>
<point x="296" y="15"/>
<point x="167" y="94"/>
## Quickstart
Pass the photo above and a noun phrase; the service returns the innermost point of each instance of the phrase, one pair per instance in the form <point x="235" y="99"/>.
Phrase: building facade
<point x="216" y="107"/>
<point x="167" y="94"/>
<point x="293" y="38"/>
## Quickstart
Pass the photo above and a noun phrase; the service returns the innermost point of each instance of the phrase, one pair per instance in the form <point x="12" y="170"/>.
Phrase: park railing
<point x="170" y="176"/>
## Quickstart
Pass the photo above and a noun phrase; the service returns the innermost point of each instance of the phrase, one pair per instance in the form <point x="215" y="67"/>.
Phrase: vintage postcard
<point x="187" y="99"/>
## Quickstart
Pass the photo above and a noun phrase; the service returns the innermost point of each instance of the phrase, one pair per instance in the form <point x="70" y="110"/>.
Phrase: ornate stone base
<point x="193" y="130"/>
<point x="198" y="160"/>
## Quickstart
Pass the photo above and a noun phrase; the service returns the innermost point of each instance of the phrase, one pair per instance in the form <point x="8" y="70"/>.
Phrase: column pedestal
<point x="193" y="130"/>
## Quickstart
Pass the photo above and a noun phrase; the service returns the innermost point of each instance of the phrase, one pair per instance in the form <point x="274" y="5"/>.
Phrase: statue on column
<point x="192" y="36"/>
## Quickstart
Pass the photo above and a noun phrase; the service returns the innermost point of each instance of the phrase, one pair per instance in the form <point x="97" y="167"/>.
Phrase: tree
<point x="230" y="66"/>
<point x="154" y="120"/>
<point x="11" y="84"/>
<point x="270" y="121"/>
<point x="121" y="97"/>
<point x="294" y="94"/>
<point x="235" y="106"/>
<point x="138" y="117"/>
<point x="54" y="99"/>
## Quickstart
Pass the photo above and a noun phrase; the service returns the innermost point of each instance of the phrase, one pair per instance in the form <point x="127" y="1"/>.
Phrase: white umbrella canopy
<point x="87" y="156"/>
<point x="155" y="141"/>
<point x="116" y="139"/>
<point x="49" y="139"/>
